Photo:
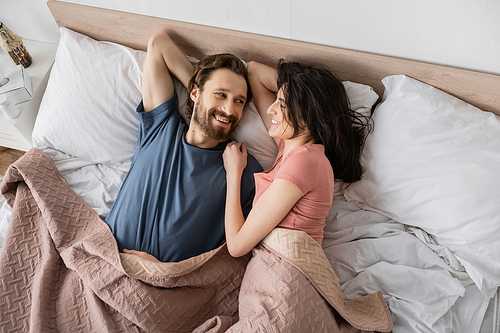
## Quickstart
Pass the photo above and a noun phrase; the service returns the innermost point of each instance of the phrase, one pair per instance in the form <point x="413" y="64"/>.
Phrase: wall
<point x="458" y="33"/>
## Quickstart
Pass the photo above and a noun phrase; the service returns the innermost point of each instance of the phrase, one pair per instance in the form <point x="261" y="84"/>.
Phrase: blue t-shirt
<point x="172" y="201"/>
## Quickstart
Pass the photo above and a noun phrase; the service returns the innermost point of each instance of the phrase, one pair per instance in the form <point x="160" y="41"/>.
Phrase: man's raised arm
<point x="163" y="60"/>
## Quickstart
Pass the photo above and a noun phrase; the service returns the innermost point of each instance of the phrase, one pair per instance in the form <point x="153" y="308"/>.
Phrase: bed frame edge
<point x="133" y="30"/>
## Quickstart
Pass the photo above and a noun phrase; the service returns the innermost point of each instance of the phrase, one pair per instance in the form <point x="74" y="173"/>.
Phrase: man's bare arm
<point x="163" y="60"/>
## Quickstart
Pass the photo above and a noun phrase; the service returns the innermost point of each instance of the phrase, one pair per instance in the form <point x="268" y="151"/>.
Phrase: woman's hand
<point x="141" y="254"/>
<point x="235" y="158"/>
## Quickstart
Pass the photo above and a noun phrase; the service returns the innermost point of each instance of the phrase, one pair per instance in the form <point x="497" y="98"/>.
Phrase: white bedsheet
<point x="5" y="212"/>
<point x="371" y="252"/>
<point x="97" y="184"/>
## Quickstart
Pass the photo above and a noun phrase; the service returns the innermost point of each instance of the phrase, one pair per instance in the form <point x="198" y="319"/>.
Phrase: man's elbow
<point x="159" y="38"/>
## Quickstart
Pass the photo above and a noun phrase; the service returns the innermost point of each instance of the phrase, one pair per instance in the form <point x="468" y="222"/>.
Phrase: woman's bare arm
<point x="269" y="210"/>
<point x="262" y="80"/>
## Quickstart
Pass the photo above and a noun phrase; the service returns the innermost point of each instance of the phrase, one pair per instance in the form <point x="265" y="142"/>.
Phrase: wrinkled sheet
<point x="424" y="288"/>
<point x="60" y="270"/>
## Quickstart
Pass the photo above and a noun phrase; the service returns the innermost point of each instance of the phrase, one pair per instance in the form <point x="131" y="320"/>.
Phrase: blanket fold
<point x="368" y="313"/>
<point x="60" y="270"/>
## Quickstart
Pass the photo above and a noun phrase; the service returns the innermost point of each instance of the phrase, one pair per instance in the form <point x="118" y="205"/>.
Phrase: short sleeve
<point x="301" y="169"/>
<point x="153" y="120"/>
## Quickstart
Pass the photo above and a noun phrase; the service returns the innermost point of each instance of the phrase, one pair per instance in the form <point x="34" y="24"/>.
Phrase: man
<point x="171" y="204"/>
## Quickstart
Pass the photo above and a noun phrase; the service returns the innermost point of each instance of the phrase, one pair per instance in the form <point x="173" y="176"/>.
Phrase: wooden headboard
<point x="133" y="30"/>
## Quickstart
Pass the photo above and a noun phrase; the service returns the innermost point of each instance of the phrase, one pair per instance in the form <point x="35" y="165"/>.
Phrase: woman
<point x="307" y="112"/>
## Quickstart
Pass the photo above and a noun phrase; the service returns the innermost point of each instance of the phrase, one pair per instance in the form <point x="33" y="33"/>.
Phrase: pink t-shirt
<point x="310" y="171"/>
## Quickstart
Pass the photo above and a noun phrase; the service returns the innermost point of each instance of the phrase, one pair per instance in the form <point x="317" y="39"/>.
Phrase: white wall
<point x="458" y="33"/>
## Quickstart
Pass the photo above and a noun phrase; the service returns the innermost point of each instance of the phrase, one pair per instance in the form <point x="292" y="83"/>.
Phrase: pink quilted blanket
<point x="60" y="270"/>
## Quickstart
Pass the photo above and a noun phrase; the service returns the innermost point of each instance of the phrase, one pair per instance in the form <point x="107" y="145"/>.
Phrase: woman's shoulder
<point x="311" y="157"/>
<point x="314" y="151"/>
<point x="308" y="165"/>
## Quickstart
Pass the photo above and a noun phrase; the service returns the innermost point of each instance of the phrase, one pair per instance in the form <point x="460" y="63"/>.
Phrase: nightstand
<point x="16" y="133"/>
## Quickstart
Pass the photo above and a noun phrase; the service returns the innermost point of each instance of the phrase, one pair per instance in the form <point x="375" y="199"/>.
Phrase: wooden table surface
<point x="7" y="157"/>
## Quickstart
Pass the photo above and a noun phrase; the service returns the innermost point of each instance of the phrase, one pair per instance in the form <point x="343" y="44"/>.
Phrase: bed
<point x="420" y="228"/>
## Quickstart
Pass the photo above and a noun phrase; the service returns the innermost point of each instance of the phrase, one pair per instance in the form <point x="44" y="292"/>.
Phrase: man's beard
<point x="203" y="119"/>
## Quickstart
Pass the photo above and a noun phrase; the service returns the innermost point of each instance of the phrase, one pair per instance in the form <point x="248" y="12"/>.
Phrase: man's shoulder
<point x="253" y="165"/>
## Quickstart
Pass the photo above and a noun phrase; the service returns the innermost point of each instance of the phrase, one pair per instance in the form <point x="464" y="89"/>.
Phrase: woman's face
<point x="280" y="128"/>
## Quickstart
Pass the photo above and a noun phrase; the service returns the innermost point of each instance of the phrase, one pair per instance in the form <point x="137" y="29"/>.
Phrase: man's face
<point x="219" y="107"/>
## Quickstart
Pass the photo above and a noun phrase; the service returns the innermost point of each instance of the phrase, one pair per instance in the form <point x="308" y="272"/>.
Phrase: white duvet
<point x="371" y="252"/>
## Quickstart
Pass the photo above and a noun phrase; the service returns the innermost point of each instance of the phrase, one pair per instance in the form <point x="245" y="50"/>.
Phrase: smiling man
<point x="171" y="203"/>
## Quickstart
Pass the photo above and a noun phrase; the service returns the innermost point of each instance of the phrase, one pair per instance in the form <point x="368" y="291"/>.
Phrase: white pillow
<point x="88" y="109"/>
<point x="433" y="161"/>
<point x="361" y="97"/>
